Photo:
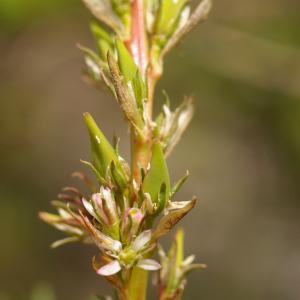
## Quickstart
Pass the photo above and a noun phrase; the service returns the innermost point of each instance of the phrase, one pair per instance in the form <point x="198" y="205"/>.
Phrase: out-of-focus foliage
<point x="42" y="292"/>
<point x="16" y="13"/>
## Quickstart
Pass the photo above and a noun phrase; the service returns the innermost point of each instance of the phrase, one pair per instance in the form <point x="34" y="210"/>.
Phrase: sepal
<point x="168" y="221"/>
<point x="172" y="124"/>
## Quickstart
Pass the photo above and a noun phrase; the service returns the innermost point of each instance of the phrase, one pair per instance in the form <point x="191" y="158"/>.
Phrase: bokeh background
<point x="242" y="149"/>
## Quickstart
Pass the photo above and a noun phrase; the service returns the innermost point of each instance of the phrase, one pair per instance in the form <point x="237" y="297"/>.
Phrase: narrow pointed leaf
<point x="100" y="34"/>
<point x="168" y="15"/>
<point x="126" y="64"/>
<point x="103" y="40"/>
<point x="179" y="184"/>
<point x="163" y="198"/>
<point x="118" y="177"/>
<point x="102" y="151"/>
<point x="95" y="171"/>
<point x="139" y="89"/>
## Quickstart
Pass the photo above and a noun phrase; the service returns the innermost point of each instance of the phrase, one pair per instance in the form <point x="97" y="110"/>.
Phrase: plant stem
<point x="138" y="43"/>
<point x="140" y="146"/>
<point x="138" y="284"/>
<point x="136" y="287"/>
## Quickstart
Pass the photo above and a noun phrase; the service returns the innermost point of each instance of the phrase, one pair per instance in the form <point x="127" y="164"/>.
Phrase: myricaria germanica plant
<point x="131" y="205"/>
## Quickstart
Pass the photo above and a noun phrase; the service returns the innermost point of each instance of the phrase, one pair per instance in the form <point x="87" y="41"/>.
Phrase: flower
<point x="132" y="255"/>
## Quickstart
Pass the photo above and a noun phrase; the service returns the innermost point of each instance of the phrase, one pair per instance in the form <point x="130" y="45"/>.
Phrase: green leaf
<point x="104" y="48"/>
<point x="100" y="34"/>
<point x="162" y="199"/>
<point x="157" y="176"/>
<point x="171" y="219"/>
<point x="118" y="178"/>
<point x="103" y="40"/>
<point x="95" y="171"/>
<point x="179" y="184"/>
<point x="102" y="151"/>
<point x="126" y="64"/>
<point x="131" y="73"/>
<point x="139" y="89"/>
<point x="168" y="16"/>
<point x="122" y="8"/>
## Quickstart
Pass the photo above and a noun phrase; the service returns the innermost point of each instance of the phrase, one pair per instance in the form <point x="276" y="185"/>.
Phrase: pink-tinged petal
<point x="109" y="269"/>
<point x="136" y="215"/>
<point x="142" y="239"/>
<point x="148" y="264"/>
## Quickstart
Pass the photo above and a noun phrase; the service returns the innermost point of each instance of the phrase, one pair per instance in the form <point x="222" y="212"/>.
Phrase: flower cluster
<point x="117" y="216"/>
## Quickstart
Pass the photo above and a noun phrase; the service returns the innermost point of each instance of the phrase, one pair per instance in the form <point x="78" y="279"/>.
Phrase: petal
<point x="141" y="240"/>
<point x="89" y="207"/>
<point x="64" y="241"/>
<point x="64" y="214"/>
<point x="101" y="240"/>
<point x="148" y="264"/>
<point x="68" y="229"/>
<point x="109" y="269"/>
<point x="189" y="260"/>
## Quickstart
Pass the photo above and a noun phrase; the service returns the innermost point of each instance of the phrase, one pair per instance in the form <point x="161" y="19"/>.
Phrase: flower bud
<point x="109" y="205"/>
<point x="131" y="223"/>
<point x="105" y="211"/>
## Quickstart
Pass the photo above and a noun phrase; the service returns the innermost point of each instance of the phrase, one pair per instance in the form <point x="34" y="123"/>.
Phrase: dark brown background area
<point x="242" y="148"/>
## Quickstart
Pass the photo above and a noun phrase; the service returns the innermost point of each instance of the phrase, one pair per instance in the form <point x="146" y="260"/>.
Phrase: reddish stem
<point x="141" y="146"/>
<point x="138" y="43"/>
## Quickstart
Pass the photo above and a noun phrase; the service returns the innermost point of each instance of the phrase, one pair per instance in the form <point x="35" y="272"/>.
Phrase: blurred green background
<point x="242" y="149"/>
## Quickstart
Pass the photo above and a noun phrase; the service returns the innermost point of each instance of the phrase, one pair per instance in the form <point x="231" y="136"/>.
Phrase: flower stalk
<point x="130" y="206"/>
